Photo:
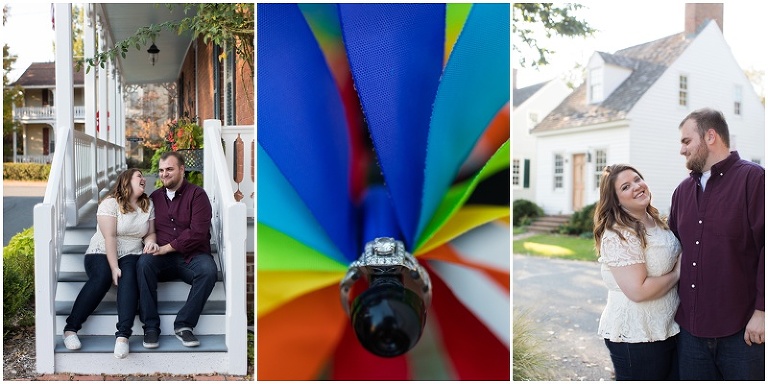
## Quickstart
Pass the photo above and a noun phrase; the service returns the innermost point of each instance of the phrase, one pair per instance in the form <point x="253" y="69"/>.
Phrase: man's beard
<point x="698" y="159"/>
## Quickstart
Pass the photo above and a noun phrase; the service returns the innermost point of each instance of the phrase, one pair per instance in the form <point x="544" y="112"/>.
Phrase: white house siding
<point x="614" y="140"/>
<point x="523" y="143"/>
<point x="655" y="138"/>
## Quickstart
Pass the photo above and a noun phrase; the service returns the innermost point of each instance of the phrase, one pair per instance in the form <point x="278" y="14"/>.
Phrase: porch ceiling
<point x="123" y="20"/>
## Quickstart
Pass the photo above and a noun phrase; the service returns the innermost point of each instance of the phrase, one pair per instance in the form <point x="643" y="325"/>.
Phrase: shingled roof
<point x="519" y="96"/>
<point x="647" y="61"/>
<point x="44" y="75"/>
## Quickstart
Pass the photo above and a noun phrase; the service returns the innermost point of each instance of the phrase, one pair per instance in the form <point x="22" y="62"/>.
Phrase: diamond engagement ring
<point x="389" y="315"/>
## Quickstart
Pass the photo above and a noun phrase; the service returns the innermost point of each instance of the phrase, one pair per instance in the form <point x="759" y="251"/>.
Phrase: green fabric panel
<point x="458" y="194"/>
<point x="279" y="252"/>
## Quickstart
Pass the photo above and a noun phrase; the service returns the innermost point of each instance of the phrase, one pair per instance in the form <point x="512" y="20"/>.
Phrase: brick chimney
<point x="698" y="13"/>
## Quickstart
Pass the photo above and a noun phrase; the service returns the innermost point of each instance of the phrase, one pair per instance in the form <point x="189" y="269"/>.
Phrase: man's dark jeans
<point x="644" y="361"/>
<point x="97" y="286"/>
<point x="721" y="358"/>
<point x="200" y="272"/>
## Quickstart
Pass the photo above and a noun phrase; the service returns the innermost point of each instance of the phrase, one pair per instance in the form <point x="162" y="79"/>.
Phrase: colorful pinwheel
<point x="406" y="106"/>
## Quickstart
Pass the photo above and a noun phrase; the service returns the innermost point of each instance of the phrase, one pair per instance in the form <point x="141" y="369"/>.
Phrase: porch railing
<point x="229" y="232"/>
<point x="49" y="223"/>
<point x="43" y="113"/>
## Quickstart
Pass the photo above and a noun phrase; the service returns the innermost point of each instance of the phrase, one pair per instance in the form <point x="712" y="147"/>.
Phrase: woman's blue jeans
<point x="97" y="286"/>
<point x="644" y="361"/>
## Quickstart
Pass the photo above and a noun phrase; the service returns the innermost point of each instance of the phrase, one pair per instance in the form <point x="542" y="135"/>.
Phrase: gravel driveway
<point x="565" y="299"/>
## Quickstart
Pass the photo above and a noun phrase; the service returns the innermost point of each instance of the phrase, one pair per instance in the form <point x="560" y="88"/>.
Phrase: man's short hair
<point x="179" y="157"/>
<point x="708" y="118"/>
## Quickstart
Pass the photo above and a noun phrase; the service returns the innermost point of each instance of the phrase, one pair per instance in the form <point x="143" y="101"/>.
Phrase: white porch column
<point x="90" y="93"/>
<point x="102" y="93"/>
<point x="112" y="107"/>
<point x="65" y="102"/>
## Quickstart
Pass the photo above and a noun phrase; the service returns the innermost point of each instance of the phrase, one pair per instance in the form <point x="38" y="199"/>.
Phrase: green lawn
<point x="559" y="246"/>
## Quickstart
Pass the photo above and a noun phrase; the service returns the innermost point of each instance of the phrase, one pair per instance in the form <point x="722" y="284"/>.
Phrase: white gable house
<point x="629" y="109"/>
<point x="529" y="106"/>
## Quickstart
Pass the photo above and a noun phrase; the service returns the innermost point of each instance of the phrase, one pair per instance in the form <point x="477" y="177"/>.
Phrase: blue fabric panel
<point x="379" y="220"/>
<point x="474" y="86"/>
<point x="300" y="120"/>
<point x="282" y="209"/>
<point x="396" y="53"/>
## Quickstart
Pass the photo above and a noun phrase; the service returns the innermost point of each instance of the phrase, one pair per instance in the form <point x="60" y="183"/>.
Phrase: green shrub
<point x="18" y="280"/>
<point x="581" y="223"/>
<point x="524" y="211"/>
<point x="26" y="171"/>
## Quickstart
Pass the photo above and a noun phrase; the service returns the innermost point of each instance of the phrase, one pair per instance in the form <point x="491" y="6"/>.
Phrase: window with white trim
<point x="595" y="85"/>
<point x="737" y="100"/>
<point x="683" y="91"/>
<point x="601" y="161"/>
<point x="515" y="172"/>
<point x="558" y="171"/>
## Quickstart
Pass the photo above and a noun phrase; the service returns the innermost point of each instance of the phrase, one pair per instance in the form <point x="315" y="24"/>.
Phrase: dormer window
<point x="595" y="85"/>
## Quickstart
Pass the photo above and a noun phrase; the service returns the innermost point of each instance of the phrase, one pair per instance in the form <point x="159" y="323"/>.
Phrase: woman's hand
<point x="116" y="273"/>
<point x="150" y="247"/>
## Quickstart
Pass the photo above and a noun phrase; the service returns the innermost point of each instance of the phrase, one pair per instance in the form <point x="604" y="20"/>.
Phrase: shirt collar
<point x="181" y="189"/>
<point x="720" y="167"/>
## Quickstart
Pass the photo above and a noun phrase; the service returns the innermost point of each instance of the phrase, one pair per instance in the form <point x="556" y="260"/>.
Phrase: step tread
<point x="212" y="307"/>
<point x="106" y="344"/>
<point x="79" y="249"/>
<point x="76" y="277"/>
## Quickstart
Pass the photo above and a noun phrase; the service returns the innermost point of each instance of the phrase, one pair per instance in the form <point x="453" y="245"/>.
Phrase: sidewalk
<point x="24" y="188"/>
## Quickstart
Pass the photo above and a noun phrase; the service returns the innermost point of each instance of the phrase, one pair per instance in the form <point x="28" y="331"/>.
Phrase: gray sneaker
<point x="151" y="339"/>
<point x="187" y="338"/>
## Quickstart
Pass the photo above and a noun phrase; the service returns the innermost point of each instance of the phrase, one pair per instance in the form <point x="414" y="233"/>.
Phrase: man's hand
<point x="150" y="247"/>
<point x="163" y="250"/>
<point x="755" y="332"/>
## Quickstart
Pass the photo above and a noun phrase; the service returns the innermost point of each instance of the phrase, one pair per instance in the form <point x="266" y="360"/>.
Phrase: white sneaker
<point x="71" y="341"/>
<point x="121" y="347"/>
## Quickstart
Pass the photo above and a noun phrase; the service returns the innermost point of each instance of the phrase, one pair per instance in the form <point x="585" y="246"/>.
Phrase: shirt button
<point x="699" y="221"/>
<point x="697" y="242"/>
<point x="694" y="263"/>
<point x="693" y="285"/>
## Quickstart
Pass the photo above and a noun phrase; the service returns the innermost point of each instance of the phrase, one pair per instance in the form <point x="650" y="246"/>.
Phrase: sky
<point x="29" y="34"/>
<point x="623" y="24"/>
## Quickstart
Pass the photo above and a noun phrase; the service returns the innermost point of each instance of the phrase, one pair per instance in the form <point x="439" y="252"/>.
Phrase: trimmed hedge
<point x="26" y="171"/>
<point x="19" y="280"/>
<point x="581" y="223"/>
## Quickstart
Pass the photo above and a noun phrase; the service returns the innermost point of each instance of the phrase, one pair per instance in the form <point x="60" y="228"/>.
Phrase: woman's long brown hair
<point x="608" y="212"/>
<point x="122" y="192"/>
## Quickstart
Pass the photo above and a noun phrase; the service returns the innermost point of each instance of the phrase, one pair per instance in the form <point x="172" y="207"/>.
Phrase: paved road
<point x="565" y="299"/>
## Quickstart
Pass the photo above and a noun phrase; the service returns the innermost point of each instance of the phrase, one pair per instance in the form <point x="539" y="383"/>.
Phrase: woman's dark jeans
<point x="97" y="286"/>
<point x="645" y="361"/>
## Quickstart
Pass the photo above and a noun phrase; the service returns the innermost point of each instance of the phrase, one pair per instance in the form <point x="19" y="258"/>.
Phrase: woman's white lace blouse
<point x="131" y="229"/>
<point x="624" y="320"/>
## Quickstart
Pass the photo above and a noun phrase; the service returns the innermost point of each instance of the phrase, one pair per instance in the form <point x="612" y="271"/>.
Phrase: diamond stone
<point x="384" y="245"/>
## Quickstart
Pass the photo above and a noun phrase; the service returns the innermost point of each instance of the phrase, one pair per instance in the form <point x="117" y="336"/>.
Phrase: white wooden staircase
<point x="97" y="334"/>
<point x="64" y="224"/>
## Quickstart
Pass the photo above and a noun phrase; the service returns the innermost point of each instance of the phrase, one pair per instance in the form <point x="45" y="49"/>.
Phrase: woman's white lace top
<point x="624" y="320"/>
<point x="131" y="229"/>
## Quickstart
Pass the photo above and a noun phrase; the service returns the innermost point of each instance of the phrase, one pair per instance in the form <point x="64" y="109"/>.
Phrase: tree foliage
<point x="11" y="96"/>
<point x="220" y="23"/>
<point x="532" y="21"/>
